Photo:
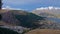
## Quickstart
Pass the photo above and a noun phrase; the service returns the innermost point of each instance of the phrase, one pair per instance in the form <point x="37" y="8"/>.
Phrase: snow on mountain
<point x="52" y="13"/>
<point x="50" y="10"/>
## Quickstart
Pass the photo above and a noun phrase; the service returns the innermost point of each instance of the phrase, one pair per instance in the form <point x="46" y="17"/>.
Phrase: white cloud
<point x="25" y="3"/>
<point x="10" y="8"/>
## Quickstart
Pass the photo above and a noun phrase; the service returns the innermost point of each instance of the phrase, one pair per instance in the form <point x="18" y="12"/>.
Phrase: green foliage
<point x="0" y="17"/>
<point x="0" y="4"/>
<point x="7" y="31"/>
<point x="29" y="20"/>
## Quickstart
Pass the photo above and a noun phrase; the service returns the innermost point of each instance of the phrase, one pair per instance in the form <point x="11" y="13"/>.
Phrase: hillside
<point x="48" y="11"/>
<point x="22" y="21"/>
<point x="21" y="18"/>
<point x="7" y="31"/>
<point x="43" y="31"/>
<point x="27" y="19"/>
<point x="52" y="13"/>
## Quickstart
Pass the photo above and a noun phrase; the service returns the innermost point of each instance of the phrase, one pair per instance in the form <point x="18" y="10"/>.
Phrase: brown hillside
<point x="44" y="31"/>
<point x="3" y="11"/>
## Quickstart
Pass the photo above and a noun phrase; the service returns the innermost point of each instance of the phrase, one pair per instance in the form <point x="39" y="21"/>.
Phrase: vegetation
<point x="0" y="17"/>
<point x="7" y="31"/>
<point x="0" y="4"/>
<point x="29" y="20"/>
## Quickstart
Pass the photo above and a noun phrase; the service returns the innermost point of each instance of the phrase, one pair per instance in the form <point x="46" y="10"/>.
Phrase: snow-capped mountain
<point x="52" y="13"/>
<point x="47" y="11"/>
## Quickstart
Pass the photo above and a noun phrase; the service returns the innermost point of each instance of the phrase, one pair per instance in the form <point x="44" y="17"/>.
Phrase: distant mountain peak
<point x="48" y="11"/>
<point x="48" y="8"/>
<point x="10" y="8"/>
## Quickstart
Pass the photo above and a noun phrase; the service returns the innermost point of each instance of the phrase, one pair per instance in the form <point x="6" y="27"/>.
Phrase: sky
<point x="30" y="4"/>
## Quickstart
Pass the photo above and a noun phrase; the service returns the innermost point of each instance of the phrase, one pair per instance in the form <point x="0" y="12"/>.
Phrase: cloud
<point x="10" y="8"/>
<point x="30" y="3"/>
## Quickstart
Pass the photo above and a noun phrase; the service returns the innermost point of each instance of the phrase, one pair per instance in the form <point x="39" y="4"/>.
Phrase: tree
<point x="7" y="31"/>
<point x="0" y="4"/>
<point x="0" y="16"/>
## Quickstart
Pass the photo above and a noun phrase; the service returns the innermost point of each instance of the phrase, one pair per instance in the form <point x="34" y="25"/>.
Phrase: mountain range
<point x="43" y="19"/>
<point x="52" y="13"/>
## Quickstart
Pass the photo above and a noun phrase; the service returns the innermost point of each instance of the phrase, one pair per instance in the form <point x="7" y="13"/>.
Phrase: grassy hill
<point x="43" y="31"/>
<point x="27" y="20"/>
<point x="21" y="18"/>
